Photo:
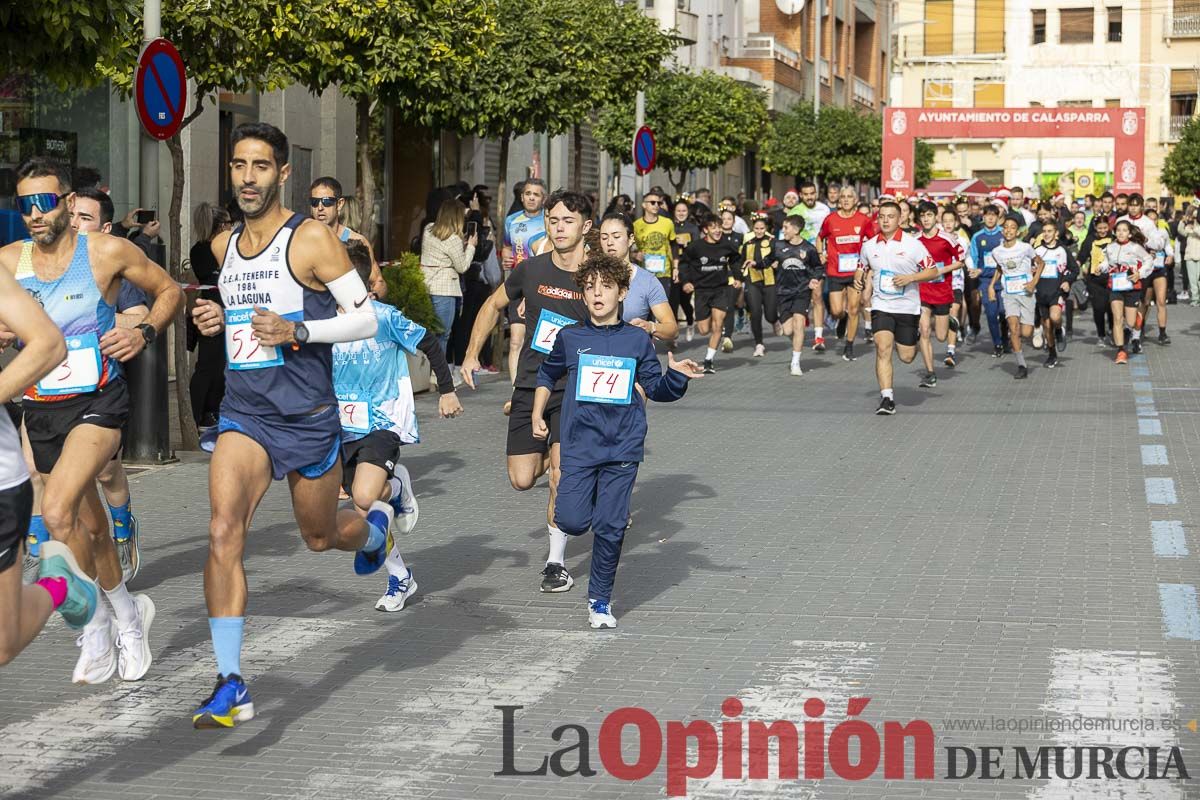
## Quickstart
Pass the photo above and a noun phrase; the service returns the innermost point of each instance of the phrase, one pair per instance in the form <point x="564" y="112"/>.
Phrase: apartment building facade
<point x="1048" y="53"/>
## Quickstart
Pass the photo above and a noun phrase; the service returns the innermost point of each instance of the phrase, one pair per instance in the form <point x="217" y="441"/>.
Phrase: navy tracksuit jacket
<point x="602" y="432"/>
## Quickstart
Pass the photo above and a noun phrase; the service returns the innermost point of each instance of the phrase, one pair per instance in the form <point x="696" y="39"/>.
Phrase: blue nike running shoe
<point x="228" y="705"/>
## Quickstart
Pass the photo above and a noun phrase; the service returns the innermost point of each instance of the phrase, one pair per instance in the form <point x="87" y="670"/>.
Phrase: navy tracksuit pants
<point x="597" y="498"/>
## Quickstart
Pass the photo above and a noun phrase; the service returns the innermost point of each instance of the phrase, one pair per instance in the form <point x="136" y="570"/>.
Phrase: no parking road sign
<point x="645" y="150"/>
<point x="160" y="89"/>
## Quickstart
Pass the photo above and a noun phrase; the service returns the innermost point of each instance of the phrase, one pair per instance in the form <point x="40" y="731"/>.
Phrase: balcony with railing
<point x="1174" y="127"/>
<point x="864" y="93"/>
<point x="764" y="46"/>
<point x="1183" y="24"/>
<point x="688" y="26"/>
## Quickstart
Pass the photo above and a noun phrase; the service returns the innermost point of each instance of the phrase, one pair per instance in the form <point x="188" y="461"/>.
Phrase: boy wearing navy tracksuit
<point x="603" y="427"/>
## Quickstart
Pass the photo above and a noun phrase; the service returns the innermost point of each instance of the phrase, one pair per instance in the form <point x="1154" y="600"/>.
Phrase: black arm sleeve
<point x="437" y="359"/>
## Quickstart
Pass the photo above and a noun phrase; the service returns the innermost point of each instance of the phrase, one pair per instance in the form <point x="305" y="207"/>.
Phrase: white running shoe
<point x="691" y="332"/>
<point x="404" y="504"/>
<point x="727" y="345"/>
<point x="600" y="615"/>
<point x="398" y="591"/>
<point x="98" y="659"/>
<point x="796" y="371"/>
<point x="134" y="642"/>
<point x="1038" y="339"/>
<point x="759" y="351"/>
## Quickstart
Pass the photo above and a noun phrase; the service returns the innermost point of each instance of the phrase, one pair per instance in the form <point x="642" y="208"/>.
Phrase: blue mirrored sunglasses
<point x="44" y="202"/>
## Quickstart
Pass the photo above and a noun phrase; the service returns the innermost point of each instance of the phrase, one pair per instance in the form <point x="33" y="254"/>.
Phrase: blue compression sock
<point x="227" y="643"/>
<point x="377" y="525"/>
<point x="121" y="520"/>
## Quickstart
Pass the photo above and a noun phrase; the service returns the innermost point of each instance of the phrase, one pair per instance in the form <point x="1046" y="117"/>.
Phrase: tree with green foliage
<point x="838" y="144"/>
<point x="552" y="63"/>
<point x="413" y="55"/>
<point x="700" y="120"/>
<point x="1181" y="168"/>
<point x="223" y="47"/>
<point x="62" y="41"/>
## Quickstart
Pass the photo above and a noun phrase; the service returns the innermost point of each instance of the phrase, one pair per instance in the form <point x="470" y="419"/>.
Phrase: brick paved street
<point x="998" y="549"/>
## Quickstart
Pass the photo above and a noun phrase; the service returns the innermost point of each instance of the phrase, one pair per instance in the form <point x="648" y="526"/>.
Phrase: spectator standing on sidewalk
<point x="444" y="257"/>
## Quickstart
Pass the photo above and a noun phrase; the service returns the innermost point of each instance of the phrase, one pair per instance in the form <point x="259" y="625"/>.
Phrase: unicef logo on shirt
<point x="899" y="123"/>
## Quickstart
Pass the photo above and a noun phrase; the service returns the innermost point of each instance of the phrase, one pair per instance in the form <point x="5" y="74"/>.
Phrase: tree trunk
<point x="189" y="437"/>
<point x="577" y="172"/>
<point x="678" y="184"/>
<point x="502" y="200"/>
<point x="366" y="173"/>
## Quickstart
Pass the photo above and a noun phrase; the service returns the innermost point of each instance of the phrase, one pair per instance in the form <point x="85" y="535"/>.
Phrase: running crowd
<point x="316" y="386"/>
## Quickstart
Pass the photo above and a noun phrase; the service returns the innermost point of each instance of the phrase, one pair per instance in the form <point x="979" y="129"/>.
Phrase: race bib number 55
<point x="546" y="331"/>
<point x="605" y="379"/>
<point x="242" y="348"/>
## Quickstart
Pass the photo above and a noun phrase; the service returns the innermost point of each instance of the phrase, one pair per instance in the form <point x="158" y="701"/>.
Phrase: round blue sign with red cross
<point x="160" y="89"/>
<point x="645" y="150"/>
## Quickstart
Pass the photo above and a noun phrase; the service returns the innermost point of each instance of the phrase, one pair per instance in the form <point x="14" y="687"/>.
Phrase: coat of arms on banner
<point x="1129" y="123"/>
<point x="899" y="122"/>
<point x="1128" y="171"/>
<point x="897" y="169"/>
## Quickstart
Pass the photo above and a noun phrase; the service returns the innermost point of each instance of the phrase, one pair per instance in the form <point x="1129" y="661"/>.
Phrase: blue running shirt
<point x="371" y="379"/>
<point x="523" y="233"/>
<point x="75" y="304"/>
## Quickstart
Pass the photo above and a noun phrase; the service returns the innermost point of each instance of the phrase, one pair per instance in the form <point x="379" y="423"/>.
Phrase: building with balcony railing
<point x="980" y="53"/>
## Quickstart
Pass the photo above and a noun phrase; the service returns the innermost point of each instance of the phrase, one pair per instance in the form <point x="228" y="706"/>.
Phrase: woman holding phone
<point x="444" y="257"/>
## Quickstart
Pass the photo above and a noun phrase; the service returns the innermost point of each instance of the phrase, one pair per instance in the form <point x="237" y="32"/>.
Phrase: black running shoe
<point x="555" y="578"/>
<point x="998" y="351"/>
<point x="954" y="324"/>
<point x="848" y="352"/>
<point x="949" y="361"/>
<point x="841" y="327"/>
<point x="1060" y="339"/>
<point x="1163" y="338"/>
<point x="887" y="406"/>
<point x="1022" y="372"/>
<point x="929" y="381"/>
<point x="709" y="369"/>
<point x="1135" y="346"/>
<point x="1051" y="361"/>
<point x="869" y="336"/>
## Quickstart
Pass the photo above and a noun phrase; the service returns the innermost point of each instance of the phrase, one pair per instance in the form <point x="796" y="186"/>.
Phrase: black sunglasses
<point x="328" y="202"/>
<point x="44" y="202"/>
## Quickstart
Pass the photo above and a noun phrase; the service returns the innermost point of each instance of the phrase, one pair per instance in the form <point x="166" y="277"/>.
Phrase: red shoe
<point x="1122" y="358"/>
<point x="819" y="344"/>
<point x="1138" y="323"/>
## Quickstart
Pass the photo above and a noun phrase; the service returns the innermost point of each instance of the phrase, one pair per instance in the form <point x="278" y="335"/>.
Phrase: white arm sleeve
<point x="359" y="320"/>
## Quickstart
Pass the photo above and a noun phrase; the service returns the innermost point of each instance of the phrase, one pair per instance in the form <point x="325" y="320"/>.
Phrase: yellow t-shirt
<point x="654" y="243"/>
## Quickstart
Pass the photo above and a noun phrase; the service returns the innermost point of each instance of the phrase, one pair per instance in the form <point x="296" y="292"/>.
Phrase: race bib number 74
<point x="605" y="379"/>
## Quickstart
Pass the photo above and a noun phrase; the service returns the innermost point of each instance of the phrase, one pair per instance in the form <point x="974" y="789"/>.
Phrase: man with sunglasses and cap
<point x="326" y="201"/>
<point x="74" y="415"/>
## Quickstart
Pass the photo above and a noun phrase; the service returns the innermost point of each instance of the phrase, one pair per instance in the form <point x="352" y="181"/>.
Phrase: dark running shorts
<point x="378" y="448"/>
<point x="938" y="309"/>
<point x="49" y="424"/>
<point x="16" y="504"/>
<point x="521" y="440"/>
<point x="905" y="328"/>
<point x="792" y="304"/>
<point x="705" y="301"/>
<point x="308" y="444"/>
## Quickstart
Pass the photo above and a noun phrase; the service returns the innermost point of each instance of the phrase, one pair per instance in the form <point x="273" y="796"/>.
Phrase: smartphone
<point x="146" y="215"/>
<point x="471" y="229"/>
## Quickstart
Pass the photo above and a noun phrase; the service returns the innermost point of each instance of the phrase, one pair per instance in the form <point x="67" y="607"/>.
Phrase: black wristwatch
<point x="301" y="333"/>
<point x="148" y="333"/>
